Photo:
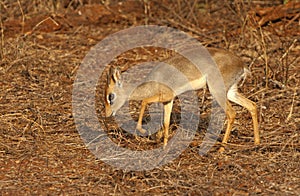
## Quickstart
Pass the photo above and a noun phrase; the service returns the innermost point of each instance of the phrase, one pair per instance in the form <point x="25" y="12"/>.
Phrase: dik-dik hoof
<point x="141" y="130"/>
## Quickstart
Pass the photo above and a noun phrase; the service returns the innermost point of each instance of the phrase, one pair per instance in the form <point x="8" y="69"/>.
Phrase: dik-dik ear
<point x="115" y="75"/>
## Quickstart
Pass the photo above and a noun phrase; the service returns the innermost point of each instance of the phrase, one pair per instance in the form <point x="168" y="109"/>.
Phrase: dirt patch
<point x="42" y="46"/>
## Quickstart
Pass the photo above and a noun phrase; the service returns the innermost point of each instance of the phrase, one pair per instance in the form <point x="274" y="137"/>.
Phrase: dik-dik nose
<point x="108" y="111"/>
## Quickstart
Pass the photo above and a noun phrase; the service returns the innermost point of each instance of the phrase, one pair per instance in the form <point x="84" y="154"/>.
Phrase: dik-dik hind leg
<point x="236" y="97"/>
<point x="230" y="114"/>
<point x="167" y="115"/>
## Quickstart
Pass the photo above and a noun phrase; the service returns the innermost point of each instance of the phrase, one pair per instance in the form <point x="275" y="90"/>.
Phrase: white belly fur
<point x="193" y="85"/>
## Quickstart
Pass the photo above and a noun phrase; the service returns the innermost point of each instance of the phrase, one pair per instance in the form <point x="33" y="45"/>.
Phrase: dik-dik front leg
<point x="139" y="125"/>
<point x="167" y="115"/>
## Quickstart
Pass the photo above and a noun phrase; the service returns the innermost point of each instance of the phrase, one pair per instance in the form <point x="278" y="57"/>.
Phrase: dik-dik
<point x="231" y="68"/>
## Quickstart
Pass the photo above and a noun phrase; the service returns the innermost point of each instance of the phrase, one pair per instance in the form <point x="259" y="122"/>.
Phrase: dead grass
<point x="42" y="153"/>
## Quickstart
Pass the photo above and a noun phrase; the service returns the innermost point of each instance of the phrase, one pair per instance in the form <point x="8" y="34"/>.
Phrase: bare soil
<point x="42" y="46"/>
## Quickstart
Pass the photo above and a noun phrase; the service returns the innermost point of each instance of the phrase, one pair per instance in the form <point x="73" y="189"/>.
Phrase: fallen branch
<point x="269" y="14"/>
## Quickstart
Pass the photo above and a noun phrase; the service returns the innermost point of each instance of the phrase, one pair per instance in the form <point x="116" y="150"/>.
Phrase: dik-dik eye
<point x="111" y="97"/>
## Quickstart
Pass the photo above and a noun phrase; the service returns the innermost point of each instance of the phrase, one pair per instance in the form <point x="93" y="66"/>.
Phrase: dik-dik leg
<point x="167" y="115"/>
<point x="142" y="111"/>
<point x="236" y="97"/>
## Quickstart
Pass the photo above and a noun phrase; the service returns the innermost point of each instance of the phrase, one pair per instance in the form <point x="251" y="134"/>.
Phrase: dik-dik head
<point x="114" y="92"/>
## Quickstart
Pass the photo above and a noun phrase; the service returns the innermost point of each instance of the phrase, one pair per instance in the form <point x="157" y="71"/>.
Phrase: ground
<point x="42" y="47"/>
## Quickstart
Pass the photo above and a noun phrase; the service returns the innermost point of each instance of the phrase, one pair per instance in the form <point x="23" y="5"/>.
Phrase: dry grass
<point x="42" y="153"/>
